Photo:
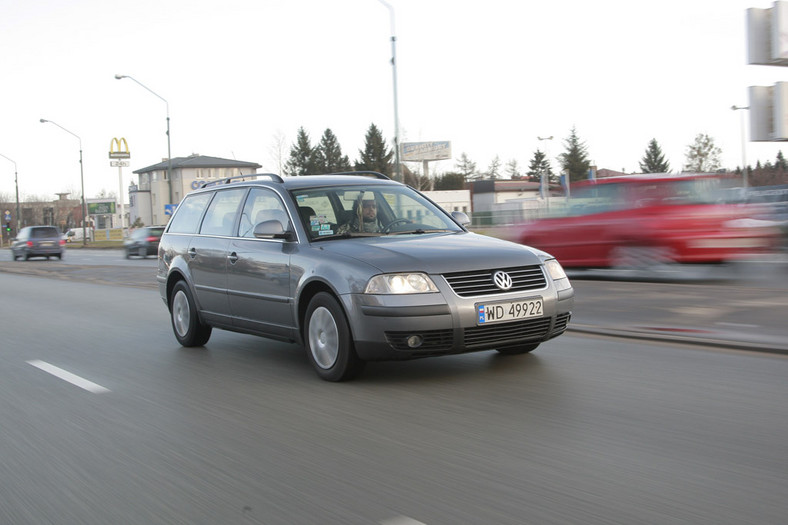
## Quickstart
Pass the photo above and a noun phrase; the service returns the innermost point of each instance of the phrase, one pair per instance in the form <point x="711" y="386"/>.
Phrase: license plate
<point x="509" y="310"/>
<point x="47" y="243"/>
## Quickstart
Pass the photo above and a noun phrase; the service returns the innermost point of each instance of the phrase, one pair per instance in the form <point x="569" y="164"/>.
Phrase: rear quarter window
<point x="187" y="216"/>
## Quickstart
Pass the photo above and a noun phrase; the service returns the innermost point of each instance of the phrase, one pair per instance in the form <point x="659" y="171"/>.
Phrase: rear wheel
<point x="328" y="340"/>
<point x="186" y="324"/>
<point x="519" y="349"/>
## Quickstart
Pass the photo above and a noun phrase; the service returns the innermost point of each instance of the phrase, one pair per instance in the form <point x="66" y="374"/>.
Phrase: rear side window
<point x="40" y="233"/>
<point x="187" y="216"/>
<point x="220" y="217"/>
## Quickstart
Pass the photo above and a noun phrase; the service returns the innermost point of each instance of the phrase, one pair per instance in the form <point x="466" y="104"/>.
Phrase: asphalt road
<point x="587" y="430"/>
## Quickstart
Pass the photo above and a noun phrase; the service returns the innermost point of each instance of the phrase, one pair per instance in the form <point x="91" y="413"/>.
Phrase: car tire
<point x="142" y="251"/>
<point x="128" y="254"/>
<point x="328" y="341"/>
<point x="27" y="256"/>
<point x="189" y="330"/>
<point x="519" y="349"/>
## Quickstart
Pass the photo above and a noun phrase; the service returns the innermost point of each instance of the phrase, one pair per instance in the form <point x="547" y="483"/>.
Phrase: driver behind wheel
<point x="366" y="216"/>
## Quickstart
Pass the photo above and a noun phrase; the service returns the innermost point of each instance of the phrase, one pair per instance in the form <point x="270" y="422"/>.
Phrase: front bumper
<point x="383" y="324"/>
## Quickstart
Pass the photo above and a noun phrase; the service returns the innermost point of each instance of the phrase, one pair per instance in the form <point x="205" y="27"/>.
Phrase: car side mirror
<point x="461" y="217"/>
<point x="271" y="229"/>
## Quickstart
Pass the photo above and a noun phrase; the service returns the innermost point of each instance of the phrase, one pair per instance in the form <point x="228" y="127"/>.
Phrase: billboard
<point x="420" y="151"/>
<point x="101" y="208"/>
<point x="767" y="35"/>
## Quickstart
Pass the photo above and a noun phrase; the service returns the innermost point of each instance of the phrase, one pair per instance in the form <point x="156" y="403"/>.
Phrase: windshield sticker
<point x="326" y="232"/>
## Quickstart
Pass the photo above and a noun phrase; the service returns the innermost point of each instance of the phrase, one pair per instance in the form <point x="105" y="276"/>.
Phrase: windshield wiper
<point x="345" y="235"/>
<point x="419" y="231"/>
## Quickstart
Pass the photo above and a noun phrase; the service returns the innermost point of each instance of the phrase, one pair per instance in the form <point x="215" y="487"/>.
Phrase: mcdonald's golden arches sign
<point x="122" y="151"/>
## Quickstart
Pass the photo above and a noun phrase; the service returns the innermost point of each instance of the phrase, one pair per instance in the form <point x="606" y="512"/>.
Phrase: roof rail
<point x="273" y="176"/>
<point x="363" y="173"/>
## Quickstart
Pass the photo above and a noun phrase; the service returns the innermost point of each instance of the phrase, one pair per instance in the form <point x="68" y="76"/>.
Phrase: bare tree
<point x="278" y="150"/>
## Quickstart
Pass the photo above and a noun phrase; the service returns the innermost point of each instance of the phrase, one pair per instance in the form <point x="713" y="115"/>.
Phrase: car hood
<point x="434" y="253"/>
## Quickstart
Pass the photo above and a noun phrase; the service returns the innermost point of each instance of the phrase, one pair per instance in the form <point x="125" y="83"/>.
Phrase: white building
<point x="154" y="199"/>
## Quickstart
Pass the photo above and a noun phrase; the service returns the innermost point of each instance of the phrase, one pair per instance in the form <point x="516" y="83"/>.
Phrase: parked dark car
<point x="143" y="241"/>
<point x="38" y="241"/>
<point x="356" y="269"/>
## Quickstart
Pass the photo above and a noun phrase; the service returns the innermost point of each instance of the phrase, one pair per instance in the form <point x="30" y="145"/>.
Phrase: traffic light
<point x="8" y="227"/>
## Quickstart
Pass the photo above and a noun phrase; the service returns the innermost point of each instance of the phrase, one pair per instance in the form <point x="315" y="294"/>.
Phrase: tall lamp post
<point x="81" y="178"/>
<point x="16" y="184"/>
<point x="743" y="150"/>
<point x="397" y="164"/>
<point x="546" y="187"/>
<point x="169" y="154"/>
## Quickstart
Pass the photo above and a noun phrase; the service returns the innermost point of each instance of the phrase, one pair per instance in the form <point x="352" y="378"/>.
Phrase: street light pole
<point x="16" y="184"/>
<point x="397" y="164"/>
<point x="545" y="194"/>
<point x="81" y="178"/>
<point x="169" y="154"/>
<point x="743" y="150"/>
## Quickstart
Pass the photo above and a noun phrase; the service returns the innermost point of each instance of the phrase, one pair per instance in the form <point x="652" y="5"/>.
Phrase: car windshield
<point x="348" y="211"/>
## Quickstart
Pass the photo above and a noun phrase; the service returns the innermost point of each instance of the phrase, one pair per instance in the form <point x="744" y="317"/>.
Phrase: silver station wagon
<point x="355" y="268"/>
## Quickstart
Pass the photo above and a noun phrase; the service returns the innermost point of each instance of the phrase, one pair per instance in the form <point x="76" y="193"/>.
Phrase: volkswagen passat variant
<point x="355" y="268"/>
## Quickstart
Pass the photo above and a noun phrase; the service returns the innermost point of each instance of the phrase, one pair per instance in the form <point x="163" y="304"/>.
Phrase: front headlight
<point x="400" y="283"/>
<point x="554" y="269"/>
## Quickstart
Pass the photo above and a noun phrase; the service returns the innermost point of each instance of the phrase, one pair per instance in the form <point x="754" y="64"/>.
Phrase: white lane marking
<point x="68" y="376"/>
<point x="401" y="520"/>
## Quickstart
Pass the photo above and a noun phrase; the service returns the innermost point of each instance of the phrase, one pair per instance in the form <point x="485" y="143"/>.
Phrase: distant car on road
<point x="143" y="241"/>
<point x="642" y="221"/>
<point x="355" y="268"/>
<point x="38" y="241"/>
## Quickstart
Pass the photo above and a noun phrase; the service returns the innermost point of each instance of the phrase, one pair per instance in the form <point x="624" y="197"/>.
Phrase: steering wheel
<point x="387" y="228"/>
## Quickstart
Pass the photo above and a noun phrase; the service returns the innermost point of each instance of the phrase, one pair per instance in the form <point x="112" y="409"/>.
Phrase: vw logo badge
<point x="502" y="280"/>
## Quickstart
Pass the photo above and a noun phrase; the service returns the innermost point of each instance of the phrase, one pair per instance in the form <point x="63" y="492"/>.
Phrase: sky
<point x="240" y="77"/>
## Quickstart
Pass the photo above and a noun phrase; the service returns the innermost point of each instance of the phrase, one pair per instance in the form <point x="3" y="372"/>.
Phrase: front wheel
<point x="519" y="349"/>
<point x="328" y="340"/>
<point x="186" y="324"/>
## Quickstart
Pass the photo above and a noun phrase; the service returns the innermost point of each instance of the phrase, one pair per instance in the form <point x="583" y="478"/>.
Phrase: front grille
<point x="505" y="333"/>
<point x="434" y="340"/>
<point x="480" y="282"/>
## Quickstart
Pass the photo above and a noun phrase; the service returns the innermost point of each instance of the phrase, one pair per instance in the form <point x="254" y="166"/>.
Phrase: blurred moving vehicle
<point x="76" y="234"/>
<point x="640" y="221"/>
<point x="354" y="268"/>
<point x="38" y="241"/>
<point x="143" y="241"/>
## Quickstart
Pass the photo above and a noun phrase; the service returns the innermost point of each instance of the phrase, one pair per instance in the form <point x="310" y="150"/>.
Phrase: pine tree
<point x="513" y="170"/>
<point x="302" y="156"/>
<point x="328" y="155"/>
<point x="781" y="164"/>
<point x="466" y="166"/>
<point x="654" y="160"/>
<point x="574" y="161"/>
<point x="493" y="172"/>
<point x="375" y="156"/>
<point x="702" y="155"/>
<point x="539" y="166"/>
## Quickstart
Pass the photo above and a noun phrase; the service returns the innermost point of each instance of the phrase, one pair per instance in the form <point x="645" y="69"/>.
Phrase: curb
<point x="676" y="335"/>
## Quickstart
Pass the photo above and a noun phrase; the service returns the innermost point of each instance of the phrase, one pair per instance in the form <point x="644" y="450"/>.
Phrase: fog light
<point x="415" y="341"/>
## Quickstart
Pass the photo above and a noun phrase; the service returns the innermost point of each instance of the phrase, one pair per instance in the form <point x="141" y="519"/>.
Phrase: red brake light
<point x="152" y="239"/>
<point x="30" y="244"/>
<point x="62" y="242"/>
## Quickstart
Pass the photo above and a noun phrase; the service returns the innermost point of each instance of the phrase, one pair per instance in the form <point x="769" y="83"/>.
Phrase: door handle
<point x="192" y="253"/>
<point x="233" y="258"/>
